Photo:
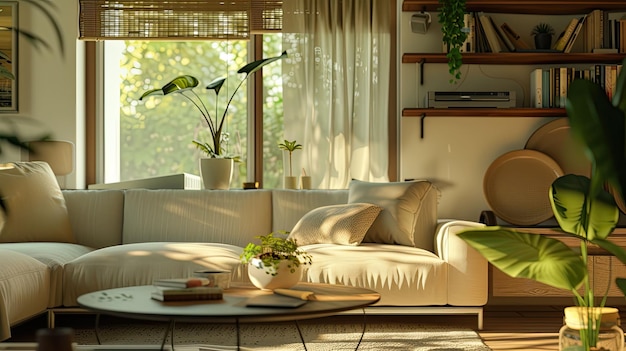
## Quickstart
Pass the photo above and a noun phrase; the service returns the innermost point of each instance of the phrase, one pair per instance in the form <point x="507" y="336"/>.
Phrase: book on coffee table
<point x="187" y="294"/>
<point x="181" y="282"/>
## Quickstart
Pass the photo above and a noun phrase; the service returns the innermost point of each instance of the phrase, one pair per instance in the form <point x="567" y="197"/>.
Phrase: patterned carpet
<point x="338" y="336"/>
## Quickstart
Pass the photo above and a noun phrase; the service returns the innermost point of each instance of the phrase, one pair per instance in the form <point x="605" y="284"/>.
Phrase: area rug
<point x="285" y="337"/>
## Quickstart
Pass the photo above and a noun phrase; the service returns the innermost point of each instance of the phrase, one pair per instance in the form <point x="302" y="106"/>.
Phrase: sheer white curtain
<point x="335" y="88"/>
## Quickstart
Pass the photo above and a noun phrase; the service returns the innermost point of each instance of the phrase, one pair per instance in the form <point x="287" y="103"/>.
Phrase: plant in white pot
<point x="290" y="181"/>
<point x="214" y="148"/>
<point x="585" y="211"/>
<point x="275" y="263"/>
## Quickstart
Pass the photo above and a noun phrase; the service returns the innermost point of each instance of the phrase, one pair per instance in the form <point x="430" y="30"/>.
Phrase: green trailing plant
<point x="451" y="13"/>
<point x="290" y="146"/>
<point x="542" y="28"/>
<point x="581" y="205"/>
<point x="273" y="249"/>
<point x="184" y="85"/>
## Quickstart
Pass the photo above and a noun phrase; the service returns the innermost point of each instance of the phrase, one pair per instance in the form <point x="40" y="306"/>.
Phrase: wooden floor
<point x="506" y="328"/>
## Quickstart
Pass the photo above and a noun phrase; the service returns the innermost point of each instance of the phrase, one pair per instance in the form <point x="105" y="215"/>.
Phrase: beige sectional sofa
<point x="131" y="237"/>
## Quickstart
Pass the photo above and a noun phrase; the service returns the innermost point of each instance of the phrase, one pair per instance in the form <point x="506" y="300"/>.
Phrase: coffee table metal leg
<point x="169" y="331"/>
<point x="238" y="335"/>
<point x="97" y="328"/>
<point x="300" y="333"/>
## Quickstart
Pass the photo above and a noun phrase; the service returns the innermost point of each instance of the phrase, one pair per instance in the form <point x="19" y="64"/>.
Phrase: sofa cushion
<point x="34" y="207"/>
<point x="336" y="224"/>
<point x="409" y="215"/>
<point x="233" y="217"/>
<point x="291" y="205"/>
<point x="142" y="263"/>
<point x="54" y="256"/>
<point x="403" y="275"/>
<point x="24" y="289"/>
<point x="97" y="216"/>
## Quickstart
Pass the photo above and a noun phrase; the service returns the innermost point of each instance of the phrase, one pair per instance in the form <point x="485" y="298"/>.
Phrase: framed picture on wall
<point x="8" y="56"/>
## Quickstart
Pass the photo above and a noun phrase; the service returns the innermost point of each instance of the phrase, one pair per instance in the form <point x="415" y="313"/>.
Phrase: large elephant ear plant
<point x="581" y="205"/>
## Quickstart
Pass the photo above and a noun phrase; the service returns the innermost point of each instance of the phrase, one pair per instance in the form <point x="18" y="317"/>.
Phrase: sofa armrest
<point x="467" y="269"/>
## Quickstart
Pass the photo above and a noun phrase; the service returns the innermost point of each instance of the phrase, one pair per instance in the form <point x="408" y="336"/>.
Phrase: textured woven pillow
<point x="409" y="214"/>
<point x="34" y="206"/>
<point x="344" y="224"/>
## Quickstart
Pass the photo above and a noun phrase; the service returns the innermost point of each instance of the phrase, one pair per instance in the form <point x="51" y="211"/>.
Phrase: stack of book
<point x="185" y="289"/>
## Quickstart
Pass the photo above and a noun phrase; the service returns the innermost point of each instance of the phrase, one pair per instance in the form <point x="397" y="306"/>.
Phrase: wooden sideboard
<point x="603" y="268"/>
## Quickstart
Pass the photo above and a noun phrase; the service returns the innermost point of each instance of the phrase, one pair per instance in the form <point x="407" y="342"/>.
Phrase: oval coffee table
<point x="135" y="302"/>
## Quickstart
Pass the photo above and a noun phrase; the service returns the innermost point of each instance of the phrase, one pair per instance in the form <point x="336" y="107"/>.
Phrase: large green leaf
<point x="531" y="256"/>
<point x="258" y="64"/>
<point x="176" y="85"/>
<point x="580" y="214"/>
<point x="601" y="127"/>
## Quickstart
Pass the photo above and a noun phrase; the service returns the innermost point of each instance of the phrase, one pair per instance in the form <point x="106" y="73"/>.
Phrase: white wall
<point x="456" y="151"/>
<point x="51" y="84"/>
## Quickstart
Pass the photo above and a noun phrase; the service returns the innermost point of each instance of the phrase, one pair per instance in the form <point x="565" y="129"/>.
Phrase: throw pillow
<point x="33" y="205"/>
<point x="409" y="214"/>
<point x="344" y="224"/>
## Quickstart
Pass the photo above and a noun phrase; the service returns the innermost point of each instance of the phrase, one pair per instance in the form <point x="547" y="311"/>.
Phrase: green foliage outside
<point x="158" y="141"/>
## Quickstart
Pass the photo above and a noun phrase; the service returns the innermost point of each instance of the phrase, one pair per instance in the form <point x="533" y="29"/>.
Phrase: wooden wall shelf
<point x="556" y="7"/>
<point x="517" y="58"/>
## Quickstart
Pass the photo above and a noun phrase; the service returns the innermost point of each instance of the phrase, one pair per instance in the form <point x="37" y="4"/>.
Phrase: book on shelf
<point x="490" y="33"/>
<point x="162" y="293"/>
<point x="181" y="282"/>
<point x="470" y="28"/>
<point x="504" y="40"/>
<point x="572" y="39"/>
<point x="565" y="35"/>
<point x="536" y="88"/>
<point x="514" y="38"/>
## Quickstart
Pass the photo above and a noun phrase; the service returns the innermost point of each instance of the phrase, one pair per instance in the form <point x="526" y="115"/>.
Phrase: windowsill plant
<point x="184" y="85"/>
<point x="290" y="181"/>
<point x="581" y="206"/>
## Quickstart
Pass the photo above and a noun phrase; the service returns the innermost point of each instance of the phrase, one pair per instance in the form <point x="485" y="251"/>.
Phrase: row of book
<point x="596" y="30"/>
<point x="549" y="86"/>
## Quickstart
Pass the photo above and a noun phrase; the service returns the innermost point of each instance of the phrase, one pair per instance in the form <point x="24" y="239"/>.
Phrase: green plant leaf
<point x="578" y="213"/>
<point x="601" y="127"/>
<point x="176" y="85"/>
<point x="621" y="284"/>
<point x="258" y="64"/>
<point x="533" y="256"/>
<point x="216" y="85"/>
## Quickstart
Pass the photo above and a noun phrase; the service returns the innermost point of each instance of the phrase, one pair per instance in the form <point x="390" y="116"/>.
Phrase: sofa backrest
<point x="96" y="216"/>
<point x="223" y="216"/>
<point x="290" y="205"/>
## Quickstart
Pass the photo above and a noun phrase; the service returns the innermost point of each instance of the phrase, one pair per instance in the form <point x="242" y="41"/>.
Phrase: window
<point x="154" y="137"/>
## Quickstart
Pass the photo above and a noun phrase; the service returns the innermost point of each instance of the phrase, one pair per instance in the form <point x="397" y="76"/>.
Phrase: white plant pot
<point x="262" y="277"/>
<point x="216" y="173"/>
<point x="290" y="182"/>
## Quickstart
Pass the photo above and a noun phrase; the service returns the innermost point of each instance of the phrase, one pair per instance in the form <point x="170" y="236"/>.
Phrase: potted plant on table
<point x="290" y="181"/>
<point x="214" y="148"/>
<point x="543" y="33"/>
<point x="583" y="209"/>
<point x="276" y="262"/>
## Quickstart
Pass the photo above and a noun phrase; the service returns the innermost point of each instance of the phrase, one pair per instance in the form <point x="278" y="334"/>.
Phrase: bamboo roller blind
<point x="177" y="19"/>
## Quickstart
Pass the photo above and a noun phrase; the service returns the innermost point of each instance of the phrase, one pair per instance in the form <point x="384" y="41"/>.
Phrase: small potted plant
<point x="276" y="262"/>
<point x="543" y="33"/>
<point x="290" y="181"/>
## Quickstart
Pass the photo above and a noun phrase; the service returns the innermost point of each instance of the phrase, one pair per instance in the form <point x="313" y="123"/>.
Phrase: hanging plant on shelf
<point x="451" y="14"/>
